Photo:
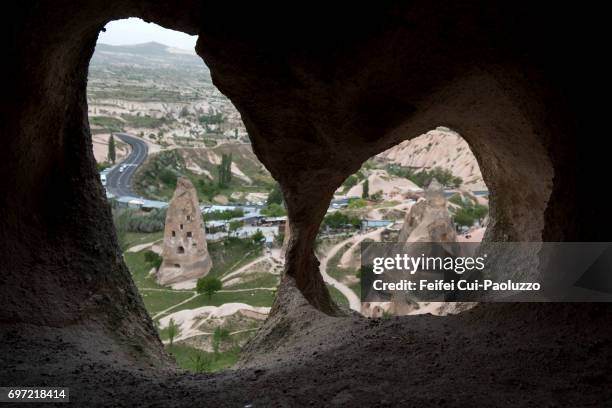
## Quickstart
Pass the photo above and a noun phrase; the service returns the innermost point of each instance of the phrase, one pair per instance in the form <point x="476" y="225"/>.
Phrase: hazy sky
<point x="136" y="31"/>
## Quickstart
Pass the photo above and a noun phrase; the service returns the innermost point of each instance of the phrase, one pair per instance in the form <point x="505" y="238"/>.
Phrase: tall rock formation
<point x="428" y="219"/>
<point x="185" y="253"/>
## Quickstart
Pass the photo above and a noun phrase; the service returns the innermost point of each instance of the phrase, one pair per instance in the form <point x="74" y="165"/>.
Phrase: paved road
<point x="119" y="182"/>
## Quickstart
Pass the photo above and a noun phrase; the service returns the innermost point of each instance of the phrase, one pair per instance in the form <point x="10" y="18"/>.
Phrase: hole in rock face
<point x="172" y="149"/>
<point x="425" y="189"/>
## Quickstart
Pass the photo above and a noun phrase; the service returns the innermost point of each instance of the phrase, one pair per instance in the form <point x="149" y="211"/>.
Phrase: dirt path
<point x="166" y="310"/>
<point x="243" y="268"/>
<point x="182" y="338"/>
<point x="354" y="301"/>
<point x="346" y="256"/>
<point x="140" y="247"/>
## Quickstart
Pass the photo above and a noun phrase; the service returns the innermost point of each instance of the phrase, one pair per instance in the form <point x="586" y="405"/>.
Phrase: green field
<point x="227" y="256"/>
<point x="337" y="296"/>
<point x="197" y="360"/>
<point x="257" y="280"/>
<point x="140" y="270"/>
<point x="131" y="239"/>
<point x="232" y="253"/>
<point x="333" y="268"/>
<point x="155" y="301"/>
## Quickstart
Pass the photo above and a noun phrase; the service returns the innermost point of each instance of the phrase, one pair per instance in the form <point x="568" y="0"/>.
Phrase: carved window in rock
<point x="173" y="233"/>
<point x="189" y="218"/>
<point x="177" y="265"/>
<point x="189" y="234"/>
<point x="181" y="227"/>
<point x="180" y="250"/>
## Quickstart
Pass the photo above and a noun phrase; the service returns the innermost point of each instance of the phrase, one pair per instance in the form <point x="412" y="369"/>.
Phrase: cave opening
<point x="167" y="143"/>
<point x="378" y="204"/>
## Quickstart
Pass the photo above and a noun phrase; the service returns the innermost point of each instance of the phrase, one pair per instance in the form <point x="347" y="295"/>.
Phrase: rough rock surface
<point x="428" y="220"/>
<point x="553" y="355"/>
<point x="185" y="252"/>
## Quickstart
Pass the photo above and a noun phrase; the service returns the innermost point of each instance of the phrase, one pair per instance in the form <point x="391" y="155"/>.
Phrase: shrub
<point x="357" y="203"/>
<point x="274" y="210"/>
<point x="258" y="238"/>
<point x="338" y="219"/>
<point x="351" y="181"/>
<point x="168" y="177"/>
<point x="209" y="285"/>
<point x="136" y="221"/>
<point x="153" y="259"/>
<point x="224" y="215"/>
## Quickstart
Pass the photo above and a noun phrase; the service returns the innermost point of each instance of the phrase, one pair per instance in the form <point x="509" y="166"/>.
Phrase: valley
<point x="162" y="102"/>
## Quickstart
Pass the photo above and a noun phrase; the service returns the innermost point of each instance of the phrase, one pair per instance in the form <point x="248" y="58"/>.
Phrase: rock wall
<point x="185" y="251"/>
<point x="319" y="93"/>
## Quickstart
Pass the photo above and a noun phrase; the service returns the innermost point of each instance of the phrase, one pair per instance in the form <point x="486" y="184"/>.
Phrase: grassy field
<point x="333" y="268"/>
<point x="196" y="360"/>
<point x="156" y="301"/>
<point x="232" y="253"/>
<point x="257" y="280"/>
<point x="227" y="256"/>
<point x="136" y="238"/>
<point x="140" y="270"/>
<point x="337" y="296"/>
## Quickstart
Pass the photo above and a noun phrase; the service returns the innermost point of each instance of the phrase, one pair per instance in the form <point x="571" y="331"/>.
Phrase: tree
<point x="338" y="219"/>
<point x="258" y="237"/>
<point x="463" y="217"/>
<point x="366" y="189"/>
<point x="172" y="330"/>
<point x="209" y="285"/>
<point x="225" y="170"/>
<point x="153" y="259"/>
<point x="275" y="196"/>
<point x="273" y="210"/>
<point x="351" y="181"/>
<point x="219" y="335"/>
<point x="111" y="149"/>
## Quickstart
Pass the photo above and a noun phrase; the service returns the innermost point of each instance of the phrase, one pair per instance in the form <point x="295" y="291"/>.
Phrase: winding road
<point x="119" y="183"/>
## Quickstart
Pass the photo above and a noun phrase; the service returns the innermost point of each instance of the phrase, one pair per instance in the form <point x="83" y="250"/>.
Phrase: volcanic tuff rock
<point x="428" y="220"/>
<point x="185" y="252"/>
<point x="439" y="147"/>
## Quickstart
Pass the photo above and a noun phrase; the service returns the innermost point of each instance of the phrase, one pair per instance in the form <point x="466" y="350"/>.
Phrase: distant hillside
<point x="146" y="49"/>
<point x="156" y="178"/>
<point x="440" y="147"/>
<point x="148" y="72"/>
<point x="151" y="55"/>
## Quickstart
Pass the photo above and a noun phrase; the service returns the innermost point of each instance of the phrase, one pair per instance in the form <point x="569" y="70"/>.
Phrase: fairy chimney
<point x="185" y="253"/>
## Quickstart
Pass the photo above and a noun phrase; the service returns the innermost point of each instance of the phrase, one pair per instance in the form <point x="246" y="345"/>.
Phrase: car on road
<point x="121" y="168"/>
